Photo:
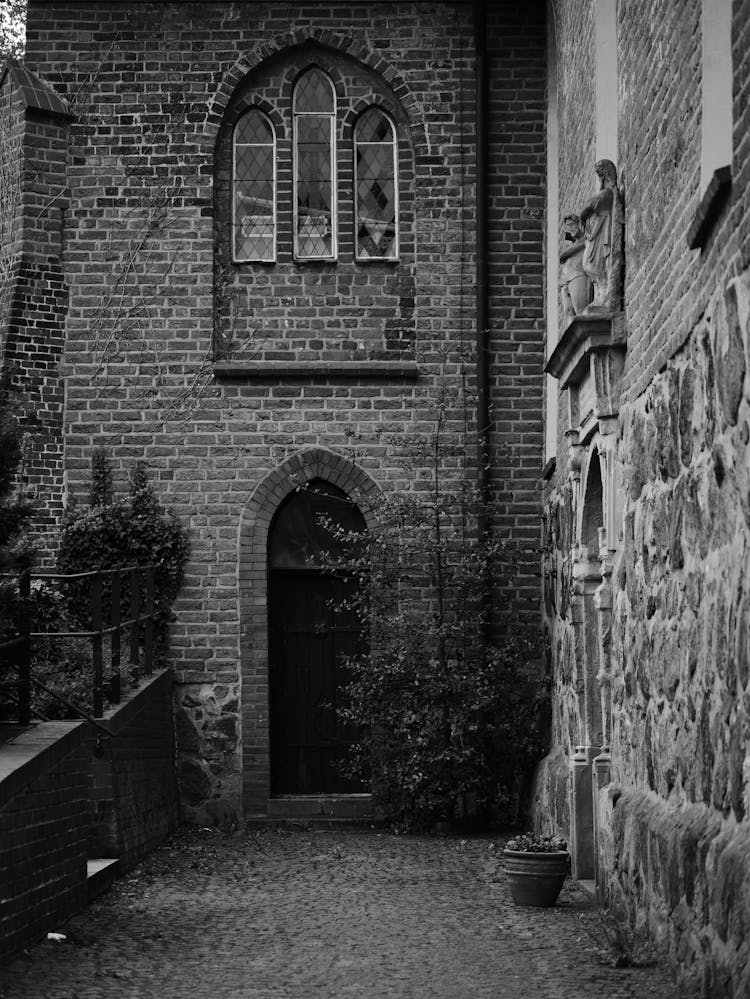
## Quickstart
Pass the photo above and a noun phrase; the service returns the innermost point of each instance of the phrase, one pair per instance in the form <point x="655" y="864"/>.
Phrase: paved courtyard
<point x="297" y="914"/>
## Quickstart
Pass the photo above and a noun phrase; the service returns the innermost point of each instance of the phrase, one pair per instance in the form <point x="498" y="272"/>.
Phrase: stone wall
<point x="153" y="84"/>
<point x="681" y="724"/>
<point x="667" y="829"/>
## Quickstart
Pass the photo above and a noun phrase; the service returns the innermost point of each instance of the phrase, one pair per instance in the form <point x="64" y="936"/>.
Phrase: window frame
<point x="272" y="259"/>
<point x="332" y="117"/>
<point x="355" y="197"/>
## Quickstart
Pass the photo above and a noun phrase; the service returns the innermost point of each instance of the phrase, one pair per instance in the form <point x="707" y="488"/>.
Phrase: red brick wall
<point x="516" y="222"/>
<point x="133" y="784"/>
<point x="33" y="292"/>
<point x="576" y="105"/>
<point x="660" y="153"/>
<point x="11" y="140"/>
<point x="150" y="83"/>
<point x="739" y="217"/>
<point x="319" y="311"/>
<point x="44" y="821"/>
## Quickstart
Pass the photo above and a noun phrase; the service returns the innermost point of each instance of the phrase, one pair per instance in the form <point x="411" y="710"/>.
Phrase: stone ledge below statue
<point x="588" y="332"/>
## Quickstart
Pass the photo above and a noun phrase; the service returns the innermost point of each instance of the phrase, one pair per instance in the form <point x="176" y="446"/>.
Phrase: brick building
<point x="261" y="223"/>
<point x="267" y="234"/>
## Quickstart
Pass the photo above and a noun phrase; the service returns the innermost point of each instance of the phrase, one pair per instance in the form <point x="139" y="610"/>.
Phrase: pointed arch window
<point x="314" y="203"/>
<point x="376" y="187"/>
<point x="254" y="188"/>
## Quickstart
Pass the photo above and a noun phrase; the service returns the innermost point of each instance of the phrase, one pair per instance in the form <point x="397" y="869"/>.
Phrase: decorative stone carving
<point x="602" y="220"/>
<point x="575" y="284"/>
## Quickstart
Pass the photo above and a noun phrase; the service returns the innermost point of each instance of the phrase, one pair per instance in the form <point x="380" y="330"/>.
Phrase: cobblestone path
<point x="261" y="915"/>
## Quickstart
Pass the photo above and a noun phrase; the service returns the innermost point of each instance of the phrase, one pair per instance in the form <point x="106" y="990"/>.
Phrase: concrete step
<point x="311" y="822"/>
<point x="321" y="806"/>
<point x="100" y="874"/>
<point x="316" y="811"/>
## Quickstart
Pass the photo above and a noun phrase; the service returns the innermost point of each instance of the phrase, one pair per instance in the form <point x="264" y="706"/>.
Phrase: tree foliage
<point x="12" y="29"/>
<point x="450" y="722"/>
<point x="16" y="552"/>
<point x="15" y="509"/>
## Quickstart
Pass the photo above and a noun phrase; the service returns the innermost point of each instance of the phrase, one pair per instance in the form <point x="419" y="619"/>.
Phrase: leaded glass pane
<point x="314" y="122"/>
<point x="254" y="127"/>
<point x="313" y="92"/>
<point x="254" y="179"/>
<point x="373" y="126"/>
<point x="314" y="130"/>
<point x="375" y="168"/>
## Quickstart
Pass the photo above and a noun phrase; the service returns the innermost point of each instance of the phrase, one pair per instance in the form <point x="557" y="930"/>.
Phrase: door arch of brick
<point x="311" y="463"/>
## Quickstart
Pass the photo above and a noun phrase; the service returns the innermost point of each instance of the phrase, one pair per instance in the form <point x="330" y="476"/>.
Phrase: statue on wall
<point x="601" y="218"/>
<point x="575" y="285"/>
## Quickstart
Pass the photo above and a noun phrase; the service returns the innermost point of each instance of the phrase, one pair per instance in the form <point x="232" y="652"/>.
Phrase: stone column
<point x="587" y="578"/>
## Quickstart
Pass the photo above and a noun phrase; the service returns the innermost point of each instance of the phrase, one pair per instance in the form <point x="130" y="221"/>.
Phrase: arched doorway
<point x="309" y="636"/>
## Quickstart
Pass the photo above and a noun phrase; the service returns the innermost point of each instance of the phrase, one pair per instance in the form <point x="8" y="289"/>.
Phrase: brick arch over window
<point x="311" y="463"/>
<point x="263" y="305"/>
<point x="284" y="44"/>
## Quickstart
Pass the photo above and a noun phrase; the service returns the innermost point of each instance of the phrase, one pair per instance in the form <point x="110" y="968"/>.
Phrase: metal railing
<point x="108" y="589"/>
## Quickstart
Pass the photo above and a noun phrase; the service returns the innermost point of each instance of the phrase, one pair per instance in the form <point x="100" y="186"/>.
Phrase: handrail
<point x="68" y="704"/>
<point x="18" y="649"/>
<point x="81" y="575"/>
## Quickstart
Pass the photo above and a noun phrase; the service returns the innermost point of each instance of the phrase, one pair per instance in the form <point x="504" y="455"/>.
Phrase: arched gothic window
<point x="254" y="188"/>
<point x="314" y="168"/>
<point x="376" y="187"/>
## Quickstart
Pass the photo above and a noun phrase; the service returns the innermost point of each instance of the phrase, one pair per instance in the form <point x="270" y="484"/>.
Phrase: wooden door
<point x="309" y="636"/>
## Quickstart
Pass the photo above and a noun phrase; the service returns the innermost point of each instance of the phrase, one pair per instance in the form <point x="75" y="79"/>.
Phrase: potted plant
<point x="536" y="867"/>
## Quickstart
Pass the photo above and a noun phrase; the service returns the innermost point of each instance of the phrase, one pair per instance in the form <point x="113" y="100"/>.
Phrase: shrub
<point x="449" y="721"/>
<point x="116" y="532"/>
<point x="61" y="664"/>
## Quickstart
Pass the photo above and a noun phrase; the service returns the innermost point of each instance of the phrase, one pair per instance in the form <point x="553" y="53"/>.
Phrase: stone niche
<point x="588" y="362"/>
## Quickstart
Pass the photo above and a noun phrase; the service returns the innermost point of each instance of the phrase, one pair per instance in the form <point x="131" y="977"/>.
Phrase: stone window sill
<point x="709" y="208"/>
<point x="364" y="370"/>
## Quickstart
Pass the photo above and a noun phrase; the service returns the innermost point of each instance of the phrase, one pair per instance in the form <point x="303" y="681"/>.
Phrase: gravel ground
<point x="297" y="914"/>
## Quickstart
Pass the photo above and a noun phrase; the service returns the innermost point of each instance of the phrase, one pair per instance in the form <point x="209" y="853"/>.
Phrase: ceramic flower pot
<point x="536" y="878"/>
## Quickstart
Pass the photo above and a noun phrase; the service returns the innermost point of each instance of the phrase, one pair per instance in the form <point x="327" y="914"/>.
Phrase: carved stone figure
<point x="602" y="226"/>
<point x="575" y="285"/>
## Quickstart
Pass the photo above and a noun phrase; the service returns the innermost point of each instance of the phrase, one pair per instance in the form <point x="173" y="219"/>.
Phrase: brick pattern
<point x="576" y="106"/>
<point x="660" y="163"/>
<point x="660" y="157"/>
<point x="340" y="311"/>
<point x="309" y="464"/>
<point x="11" y="143"/>
<point x="739" y="219"/>
<point x="133" y="785"/>
<point x="33" y="292"/>
<point x="574" y="34"/>
<point x="43" y="833"/>
<point x="153" y="86"/>
<point x="516" y="336"/>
